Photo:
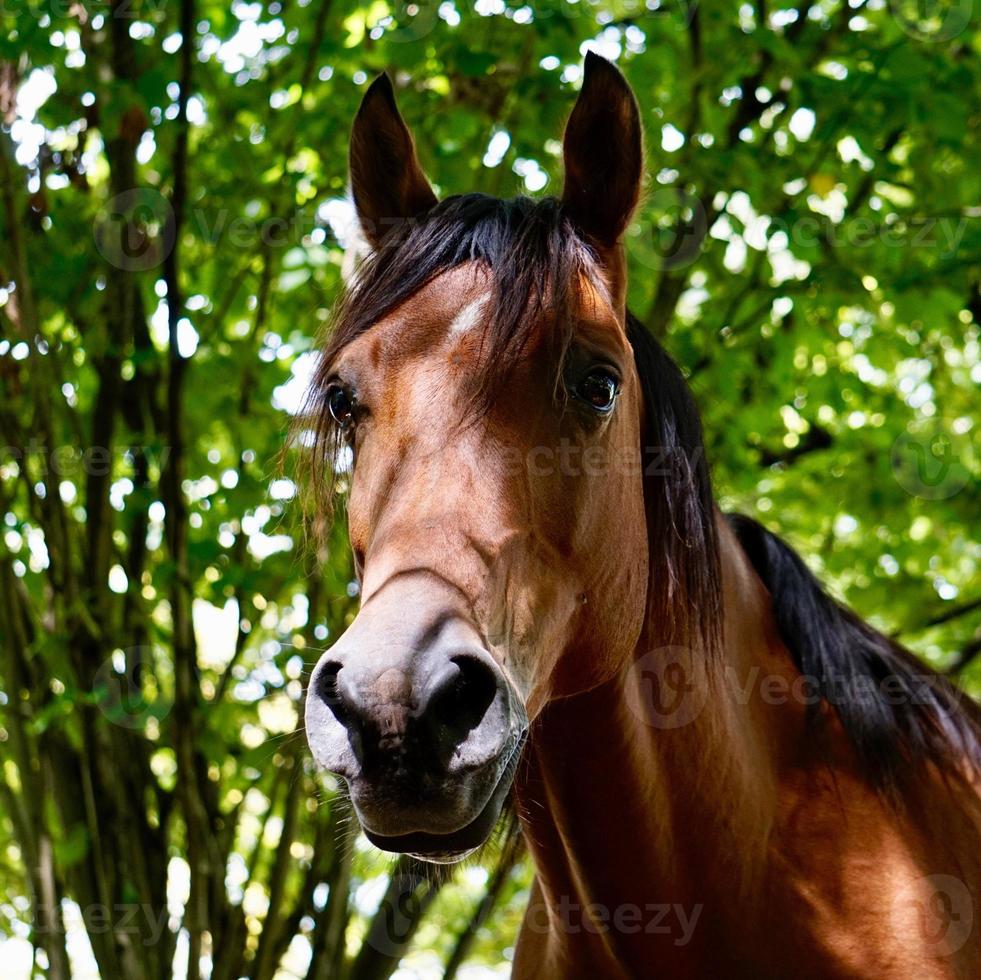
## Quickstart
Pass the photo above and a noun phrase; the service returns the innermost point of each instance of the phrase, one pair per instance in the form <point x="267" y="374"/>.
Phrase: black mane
<point x="897" y="713"/>
<point x="534" y="251"/>
<point x="531" y="246"/>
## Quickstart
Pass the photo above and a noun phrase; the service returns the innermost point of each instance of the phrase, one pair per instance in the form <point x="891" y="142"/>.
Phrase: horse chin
<point x="448" y="848"/>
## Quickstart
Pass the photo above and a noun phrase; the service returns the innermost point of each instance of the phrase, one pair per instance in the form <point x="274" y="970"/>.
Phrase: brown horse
<point x="719" y="771"/>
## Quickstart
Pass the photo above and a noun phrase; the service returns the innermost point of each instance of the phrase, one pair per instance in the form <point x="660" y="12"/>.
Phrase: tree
<point x="174" y="230"/>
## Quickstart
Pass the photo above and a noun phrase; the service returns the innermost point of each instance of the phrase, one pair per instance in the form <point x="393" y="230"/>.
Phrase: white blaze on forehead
<point x="470" y="315"/>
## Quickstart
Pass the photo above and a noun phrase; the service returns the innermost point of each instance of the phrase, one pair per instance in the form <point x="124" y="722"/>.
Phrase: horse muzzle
<point x="415" y="713"/>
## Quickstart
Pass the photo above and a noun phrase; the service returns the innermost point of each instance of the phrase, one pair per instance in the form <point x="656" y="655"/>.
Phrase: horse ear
<point x="387" y="182"/>
<point x="603" y="150"/>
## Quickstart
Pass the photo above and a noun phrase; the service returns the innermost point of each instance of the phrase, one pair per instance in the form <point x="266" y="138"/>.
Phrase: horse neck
<point x="619" y="802"/>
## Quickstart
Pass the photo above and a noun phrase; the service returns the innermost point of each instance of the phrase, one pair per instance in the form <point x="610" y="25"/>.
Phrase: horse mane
<point x="535" y="251"/>
<point x="898" y="713"/>
<point x="685" y="591"/>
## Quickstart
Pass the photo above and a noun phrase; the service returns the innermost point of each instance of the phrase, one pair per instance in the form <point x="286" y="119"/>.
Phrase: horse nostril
<point x="329" y="692"/>
<point x="444" y="716"/>
<point x="462" y="700"/>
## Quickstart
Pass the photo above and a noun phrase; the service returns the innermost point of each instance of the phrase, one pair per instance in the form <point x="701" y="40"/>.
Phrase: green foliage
<point x="809" y="249"/>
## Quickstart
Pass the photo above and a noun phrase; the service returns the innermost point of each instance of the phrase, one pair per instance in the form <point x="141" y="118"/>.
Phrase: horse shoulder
<point x="872" y="889"/>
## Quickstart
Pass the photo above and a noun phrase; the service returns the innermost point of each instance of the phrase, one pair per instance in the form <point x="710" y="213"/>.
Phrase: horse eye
<point x="340" y="404"/>
<point x="599" y="390"/>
